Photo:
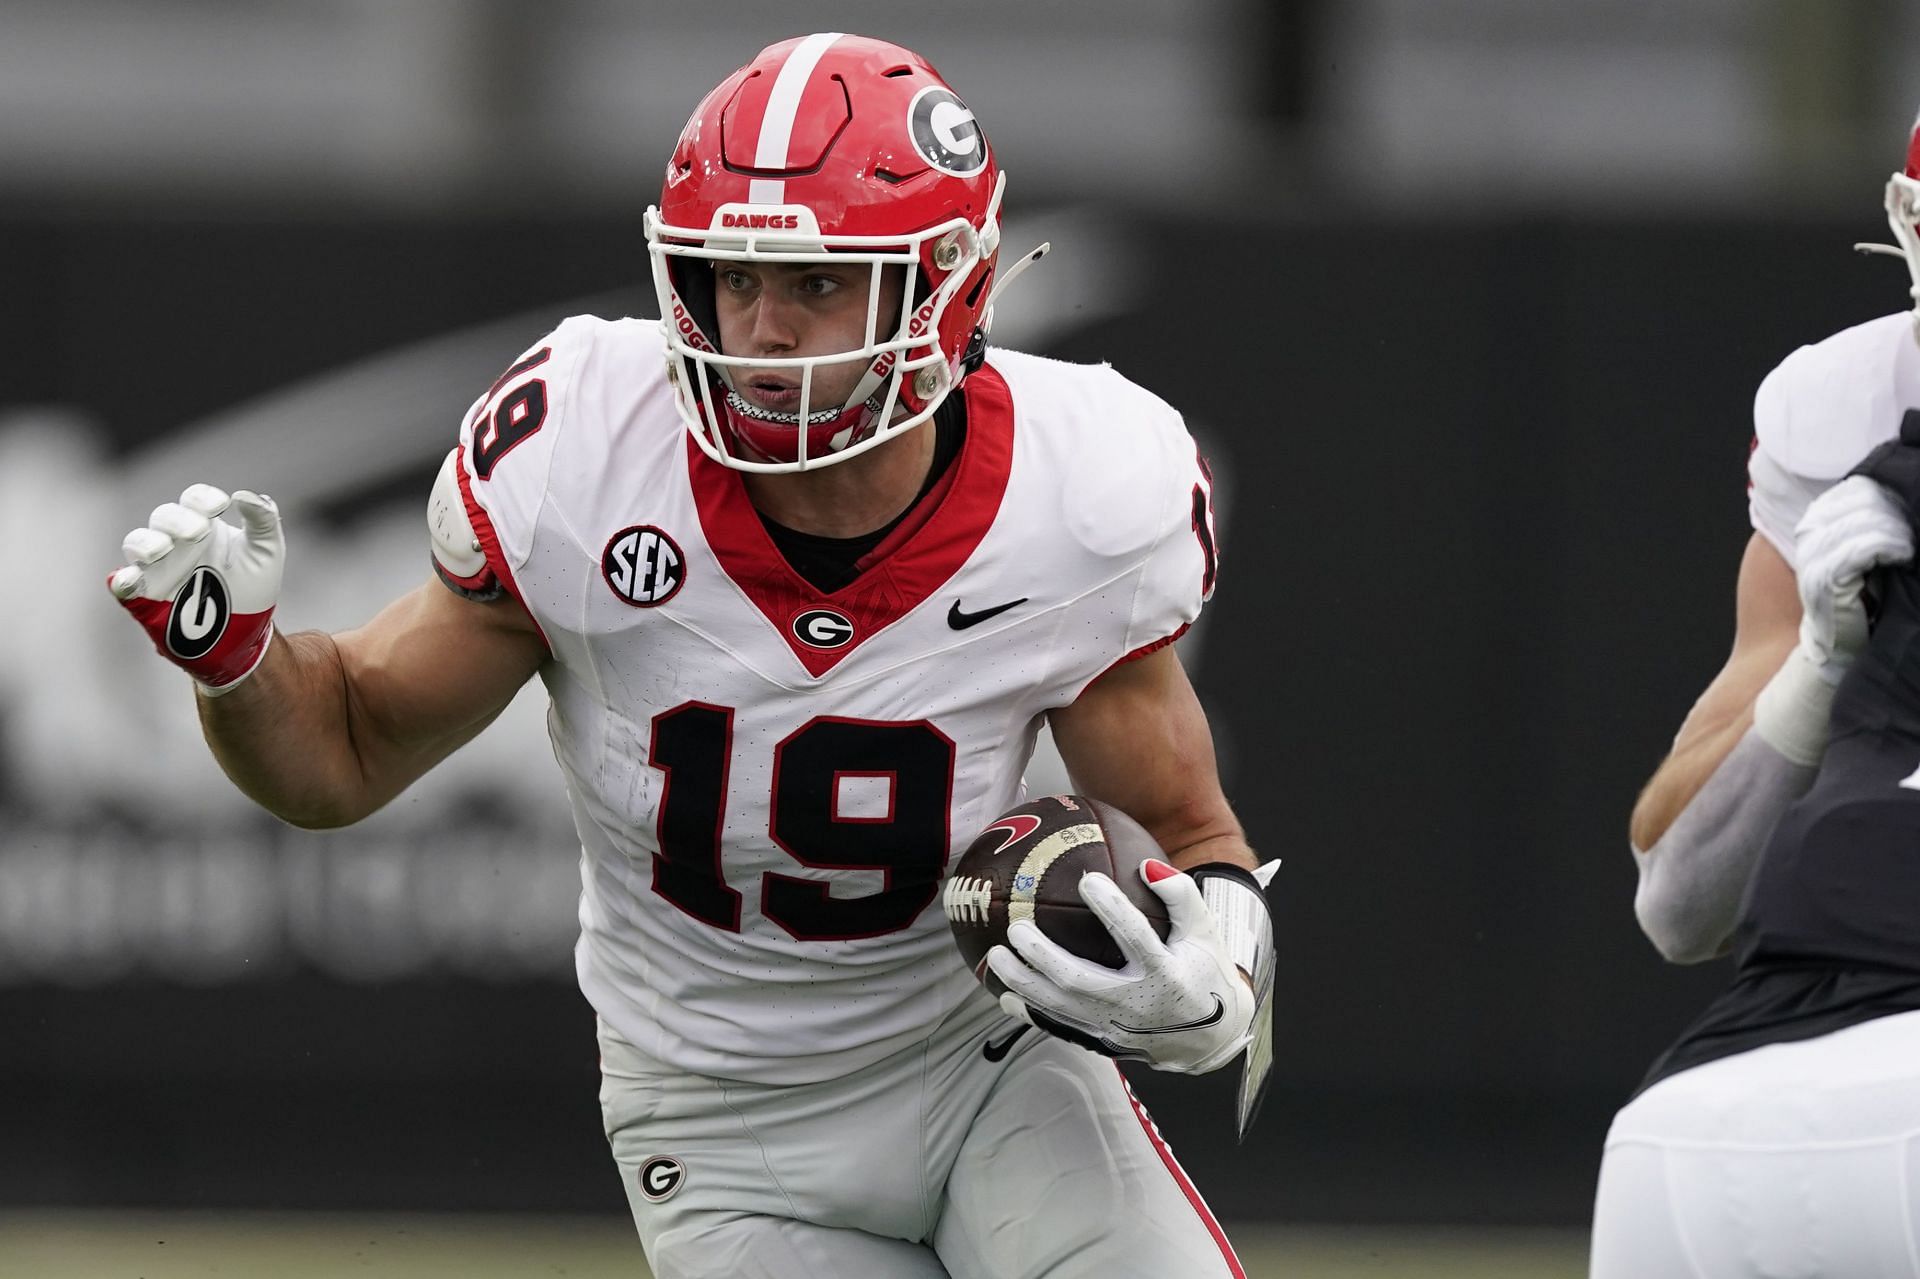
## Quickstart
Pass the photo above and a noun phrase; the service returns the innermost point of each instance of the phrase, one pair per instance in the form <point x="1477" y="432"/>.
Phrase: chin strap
<point x="976" y="353"/>
<point x="1011" y="274"/>
<point x="1237" y="901"/>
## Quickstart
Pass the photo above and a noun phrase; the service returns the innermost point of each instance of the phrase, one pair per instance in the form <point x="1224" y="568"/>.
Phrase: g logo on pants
<point x="660" y="1177"/>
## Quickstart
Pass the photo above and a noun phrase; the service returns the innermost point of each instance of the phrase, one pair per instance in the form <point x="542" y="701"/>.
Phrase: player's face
<point x="787" y="310"/>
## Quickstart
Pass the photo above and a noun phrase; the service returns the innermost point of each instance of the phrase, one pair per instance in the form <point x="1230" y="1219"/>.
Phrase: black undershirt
<point x="828" y="563"/>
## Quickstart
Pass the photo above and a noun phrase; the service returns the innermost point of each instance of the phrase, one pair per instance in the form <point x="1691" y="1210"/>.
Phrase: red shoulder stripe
<point x="490" y="542"/>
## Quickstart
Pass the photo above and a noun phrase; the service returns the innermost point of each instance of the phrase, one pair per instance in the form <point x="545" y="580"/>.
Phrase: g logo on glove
<point x="203" y="589"/>
<point x="199" y="616"/>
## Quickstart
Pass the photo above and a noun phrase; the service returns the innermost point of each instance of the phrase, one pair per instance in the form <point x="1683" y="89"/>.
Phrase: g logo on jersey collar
<point x="945" y="133"/>
<point x="824" y="628"/>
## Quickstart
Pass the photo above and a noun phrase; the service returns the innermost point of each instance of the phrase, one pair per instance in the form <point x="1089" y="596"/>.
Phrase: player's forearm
<point x="1694" y="877"/>
<point x="1681" y="775"/>
<point x="284" y="736"/>
<point x="1230" y="848"/>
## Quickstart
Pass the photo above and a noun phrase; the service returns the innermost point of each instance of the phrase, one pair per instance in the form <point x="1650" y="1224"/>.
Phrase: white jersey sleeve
<point x="1178" y="569"/>
<point x="1124" y="490"/>
<point x="1822" y="410"/>
<point x="506" y="446"/>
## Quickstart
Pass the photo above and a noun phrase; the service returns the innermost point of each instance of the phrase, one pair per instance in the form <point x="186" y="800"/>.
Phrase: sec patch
<point x="643" y="566"/>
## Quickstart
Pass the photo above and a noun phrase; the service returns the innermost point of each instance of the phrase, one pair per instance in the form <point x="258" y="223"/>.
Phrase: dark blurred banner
<point x="1483" y="496"/>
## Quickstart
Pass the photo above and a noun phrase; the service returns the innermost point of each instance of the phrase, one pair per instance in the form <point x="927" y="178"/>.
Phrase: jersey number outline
<point x="1203" y="529"/>
<point x="693" y="745"/>
<point x="514" y="419"/>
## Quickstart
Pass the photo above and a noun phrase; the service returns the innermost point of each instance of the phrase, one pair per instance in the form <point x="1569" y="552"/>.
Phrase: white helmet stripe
<point x="783" y="104"/>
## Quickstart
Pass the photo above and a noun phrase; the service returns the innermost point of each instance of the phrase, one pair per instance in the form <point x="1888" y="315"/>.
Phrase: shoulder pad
<point x="457" y="555"/>
<point x="1116" y="509"/>
<point x="1828" y="405"/>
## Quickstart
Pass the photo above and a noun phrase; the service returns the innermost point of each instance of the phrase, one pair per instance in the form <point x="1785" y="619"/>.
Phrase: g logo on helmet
<point x="199" y="615"/>
<point x="945" y="133"/>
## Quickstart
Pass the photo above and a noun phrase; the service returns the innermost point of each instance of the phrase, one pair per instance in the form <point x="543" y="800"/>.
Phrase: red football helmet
<point x="834" y="148"/>
<point x="1903" y="215"/>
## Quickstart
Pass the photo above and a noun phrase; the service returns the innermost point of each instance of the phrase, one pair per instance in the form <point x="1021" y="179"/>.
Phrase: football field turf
<point x="103" y="1245"/>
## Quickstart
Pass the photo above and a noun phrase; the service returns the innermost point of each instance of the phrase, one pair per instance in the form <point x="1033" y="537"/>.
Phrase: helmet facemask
<point x="1903" y="217"/>
<point x="1903" y="213"/>
<point x="911" y="361"/>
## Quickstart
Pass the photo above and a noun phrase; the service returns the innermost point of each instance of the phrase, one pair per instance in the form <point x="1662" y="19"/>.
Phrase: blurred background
<point x="1466" y="298"/>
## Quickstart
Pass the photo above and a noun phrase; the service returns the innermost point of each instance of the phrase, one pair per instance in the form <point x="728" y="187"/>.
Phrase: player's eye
<point x="734" y="280"/>
<point x="819" y="285"/>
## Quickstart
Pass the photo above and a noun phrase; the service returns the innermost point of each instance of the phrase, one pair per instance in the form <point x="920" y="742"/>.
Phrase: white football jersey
<point x="769" y="782"/>
<point x="1821" y="411"/>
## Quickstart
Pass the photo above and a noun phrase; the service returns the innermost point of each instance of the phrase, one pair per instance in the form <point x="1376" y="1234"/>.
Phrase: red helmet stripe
<point x="1913" y="150"/>
<point x="783" y="105"/>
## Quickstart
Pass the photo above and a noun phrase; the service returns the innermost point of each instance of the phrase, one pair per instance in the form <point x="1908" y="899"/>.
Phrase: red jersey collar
<point x="899" y="575"/>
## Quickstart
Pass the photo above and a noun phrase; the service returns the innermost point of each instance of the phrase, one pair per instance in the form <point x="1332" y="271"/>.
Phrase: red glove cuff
<point x="239" y="643"/>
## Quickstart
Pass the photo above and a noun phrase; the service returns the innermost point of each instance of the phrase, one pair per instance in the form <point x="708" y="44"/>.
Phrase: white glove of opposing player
<point x="1177" y="1005"/>
<point x="1849" y="530"/>
<point x="205" y="589"/>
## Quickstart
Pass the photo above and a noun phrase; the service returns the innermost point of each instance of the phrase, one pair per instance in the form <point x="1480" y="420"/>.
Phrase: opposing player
<point x="803" y="567"/>
<point x="1781" y="1134"/>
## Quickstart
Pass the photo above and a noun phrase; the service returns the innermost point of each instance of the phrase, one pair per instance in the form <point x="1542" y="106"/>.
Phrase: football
<point x="1028" y="864"/>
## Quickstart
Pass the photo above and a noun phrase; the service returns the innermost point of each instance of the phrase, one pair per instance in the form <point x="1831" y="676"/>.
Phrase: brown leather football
<point x="1027" y="864"/>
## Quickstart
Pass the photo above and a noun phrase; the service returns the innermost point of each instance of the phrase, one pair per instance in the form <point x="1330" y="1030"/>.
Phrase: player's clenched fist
<point x="1848" y="531"/>
<point x="203" y="588"/>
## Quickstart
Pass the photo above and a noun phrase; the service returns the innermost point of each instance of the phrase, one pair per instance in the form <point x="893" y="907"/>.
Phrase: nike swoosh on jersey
<point x="960" y="620"/>
<point x="1199" y="1023"/>
<point x="994" y="1052"/>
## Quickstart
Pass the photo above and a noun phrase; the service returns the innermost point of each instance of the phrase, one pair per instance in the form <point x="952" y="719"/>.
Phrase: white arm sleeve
<point x="1693" y="878"/>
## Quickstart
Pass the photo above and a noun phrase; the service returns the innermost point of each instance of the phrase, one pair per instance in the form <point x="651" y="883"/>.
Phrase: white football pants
<point x="937" y="1162"/>
<point x="1792" y="1161"/>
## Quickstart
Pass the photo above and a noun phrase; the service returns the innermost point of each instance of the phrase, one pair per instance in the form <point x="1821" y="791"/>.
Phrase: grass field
<point x="90" y="1245"/>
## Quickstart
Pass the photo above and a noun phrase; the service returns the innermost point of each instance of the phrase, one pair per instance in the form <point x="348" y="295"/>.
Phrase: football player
<point x="1781" y="1134"/>
<point x="804" y="566"/>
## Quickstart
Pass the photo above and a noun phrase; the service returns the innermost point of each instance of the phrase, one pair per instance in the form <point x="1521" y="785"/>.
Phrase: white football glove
<point x="1849" y="530"/>
<point x="205" y="589"/>
<point x="1177" y="1005"/>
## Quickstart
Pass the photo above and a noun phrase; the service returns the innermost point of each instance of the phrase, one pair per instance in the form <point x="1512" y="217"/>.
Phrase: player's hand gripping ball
<point x="1028" y="865"/>
<point x="1071" y="916"/>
